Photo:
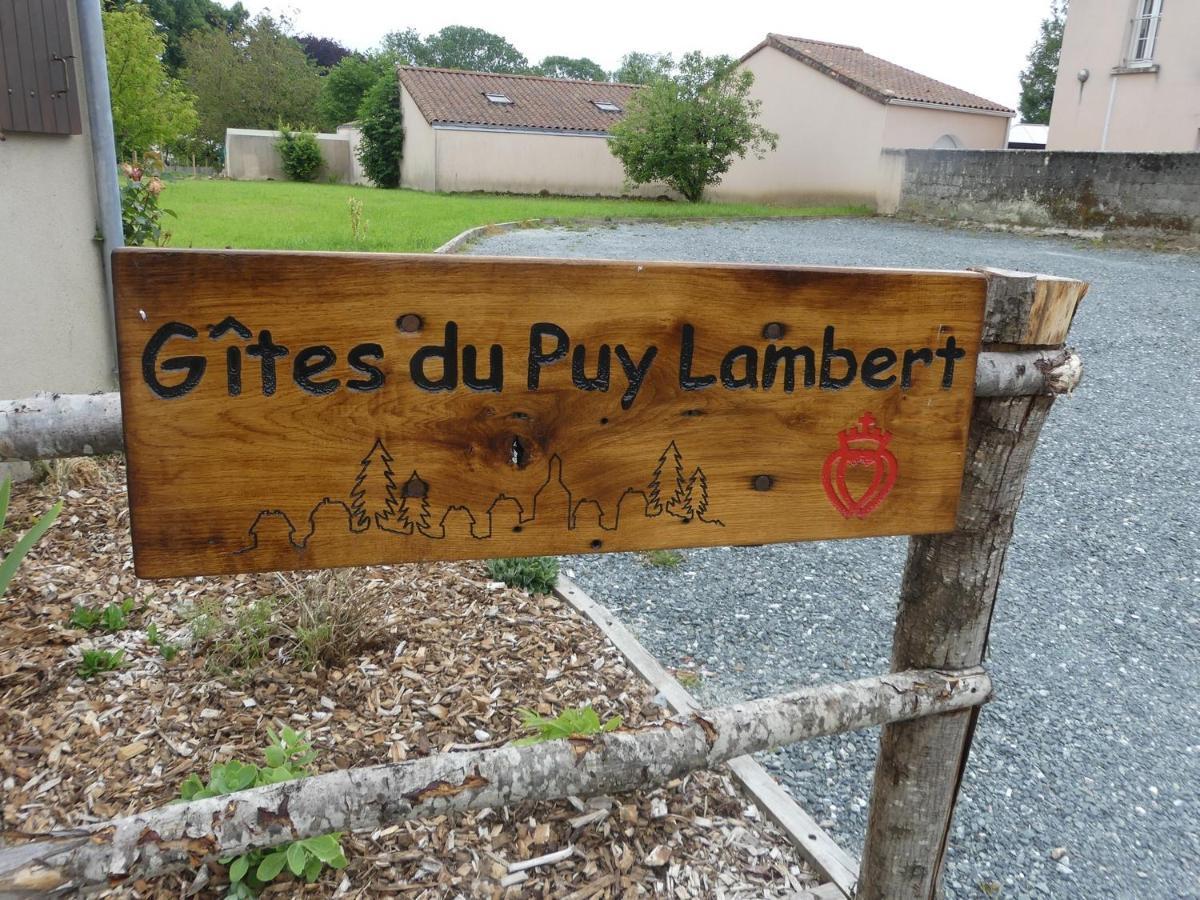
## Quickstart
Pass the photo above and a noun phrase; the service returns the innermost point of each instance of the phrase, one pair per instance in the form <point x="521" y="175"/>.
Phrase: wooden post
<point x="946" y="601"/>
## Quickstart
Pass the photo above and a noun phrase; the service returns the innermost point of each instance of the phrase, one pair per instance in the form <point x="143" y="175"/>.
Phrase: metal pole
<point x="104" y="149"/>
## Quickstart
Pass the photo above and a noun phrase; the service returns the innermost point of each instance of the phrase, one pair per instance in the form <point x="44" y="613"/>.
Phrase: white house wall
<point x="829" y="138"/>
<point x="53" y="304"/>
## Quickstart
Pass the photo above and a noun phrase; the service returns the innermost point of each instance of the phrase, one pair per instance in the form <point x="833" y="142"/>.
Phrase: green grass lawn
<point x="289" y="216"/>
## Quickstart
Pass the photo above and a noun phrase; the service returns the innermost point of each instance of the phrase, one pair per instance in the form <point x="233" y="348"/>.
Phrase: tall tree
<point x="325" y="52"/>
<point x="404" y="47"/>
<point x="461" y="47"/>
<point x="382" y="127"/>
<point x="582" y="69"/>
<point x="149" y="107"/>
<point x="176" y="19"/>
<point x="643" y="68"/>
<point x="1038" y="77"/>
<point x="253" y="78"/>
<point x="687" y="129"/>
<point x="343" y="89"/>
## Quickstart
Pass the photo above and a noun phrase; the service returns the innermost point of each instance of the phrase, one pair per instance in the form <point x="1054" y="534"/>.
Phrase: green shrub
<point x="382" y="144"/>
<point x="141" y="216"/>
<point x="300" y="153"/>
<point x="113" y="617"/>
<point x="288" y="756"/>
<point x="536" y="574"/>
<point x="9" y="563"/>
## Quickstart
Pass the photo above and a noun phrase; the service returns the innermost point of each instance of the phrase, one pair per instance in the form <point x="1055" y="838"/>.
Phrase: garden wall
<point x="250" y="155"/>
<point x="1086" y="190"/>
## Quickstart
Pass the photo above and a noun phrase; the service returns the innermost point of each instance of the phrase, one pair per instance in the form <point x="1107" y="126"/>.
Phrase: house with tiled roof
<point x="836" y="108"/>
<point x="482" y="131"/>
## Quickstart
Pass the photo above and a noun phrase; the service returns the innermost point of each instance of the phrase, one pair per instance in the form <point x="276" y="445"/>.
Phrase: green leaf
<point x="8" y="568"/>
<point x="312" y="869"/>
<point x="324" y="848"/>
<point x="240" y="867"/>
<point x="297" y="858"/>
<point x="272" y="865"/>
<point x="192" y="785"/>
<point x="612" y="724"/>
<point x="338" y="862"/>
<point x="275" y="756"/>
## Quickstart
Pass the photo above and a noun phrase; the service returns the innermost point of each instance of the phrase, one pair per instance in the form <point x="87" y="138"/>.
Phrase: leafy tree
<point x="404" y="47"/>
<point x="687" y="129"/>
<point x="643" y="68"/>
<point x="1037" y="79"/>
<point x="583" y="69"/>
<point x="149" y="107"/>
<point x="343" y="89"/>
<point x="460" y="47"/>
<point x="382" y="144"/>
<point x="251" y="78"/>
<point x="176" y="19"/>
<point x="325" y="52"/>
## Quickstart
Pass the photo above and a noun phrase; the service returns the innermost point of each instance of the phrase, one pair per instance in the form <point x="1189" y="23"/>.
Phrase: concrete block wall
<point x="1085" y="190"/>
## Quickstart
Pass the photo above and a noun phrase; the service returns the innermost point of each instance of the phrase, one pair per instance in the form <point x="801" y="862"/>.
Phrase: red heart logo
<point x="865" y="445"/>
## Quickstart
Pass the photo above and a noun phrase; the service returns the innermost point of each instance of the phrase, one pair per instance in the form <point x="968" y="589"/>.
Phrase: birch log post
<point x="947" y="597"/>
<point x="187" y="833"/>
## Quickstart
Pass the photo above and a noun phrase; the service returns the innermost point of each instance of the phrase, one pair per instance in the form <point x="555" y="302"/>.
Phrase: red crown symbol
<point x="864" y="445"/>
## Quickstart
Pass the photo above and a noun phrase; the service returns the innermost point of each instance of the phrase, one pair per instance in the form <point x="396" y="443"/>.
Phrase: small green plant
<point x="166" y="650"/>
<point x="567" y="724"/>
<point x="300" y="154"/>
<point x="288" y="755"/>
<point x="114" y="616"/>
<point x="358" y="225"/>
<point x="688" y="678"/>
<point x="9" y="563"/>
<point x="96" y="661"/>
<point x="664" y="559"/>
<point x="536" y="574"/>
<point x="85" y="617"/>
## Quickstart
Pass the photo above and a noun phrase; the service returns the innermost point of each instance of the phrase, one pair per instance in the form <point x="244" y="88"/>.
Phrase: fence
<point x="929" y="702"/>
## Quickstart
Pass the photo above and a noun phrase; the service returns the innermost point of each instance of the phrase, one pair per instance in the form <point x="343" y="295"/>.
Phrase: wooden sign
<point x="297" y="410"/>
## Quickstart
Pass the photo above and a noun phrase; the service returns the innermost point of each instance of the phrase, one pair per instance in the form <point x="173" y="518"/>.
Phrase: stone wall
<point x="1083" y="190"/>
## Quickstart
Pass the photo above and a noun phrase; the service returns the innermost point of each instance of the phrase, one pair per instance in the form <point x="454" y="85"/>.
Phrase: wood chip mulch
<point x="452" y="659"/>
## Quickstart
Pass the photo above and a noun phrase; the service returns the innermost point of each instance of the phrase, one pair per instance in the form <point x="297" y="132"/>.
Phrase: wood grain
<point x="224" y="483"/>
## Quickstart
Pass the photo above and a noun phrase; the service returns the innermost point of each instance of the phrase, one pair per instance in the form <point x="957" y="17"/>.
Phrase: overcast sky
<point x="977" y="45"/>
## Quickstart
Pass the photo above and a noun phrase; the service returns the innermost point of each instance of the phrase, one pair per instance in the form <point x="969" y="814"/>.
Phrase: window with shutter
<point x="38" y="89"/>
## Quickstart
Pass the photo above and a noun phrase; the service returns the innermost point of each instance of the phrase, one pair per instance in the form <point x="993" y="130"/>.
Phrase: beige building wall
<point x="530" y="162"/>
<point x="53" y="303"/>
<point x="1121" y="107"/>
<point x="918" y="127"/>
<point x="830" y="136"/>
<point x="251" y="155"/>
<point x="418" y="165"/>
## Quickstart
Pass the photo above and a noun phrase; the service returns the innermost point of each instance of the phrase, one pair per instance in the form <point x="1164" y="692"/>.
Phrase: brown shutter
<point x="38" y="89"/>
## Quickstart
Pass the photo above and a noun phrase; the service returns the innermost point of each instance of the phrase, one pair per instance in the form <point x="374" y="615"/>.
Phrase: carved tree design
<point x="413" y="512"/>
<point x="696" y="495"/>
<point x="373" y="497"/>
<point x="670" y="465"/>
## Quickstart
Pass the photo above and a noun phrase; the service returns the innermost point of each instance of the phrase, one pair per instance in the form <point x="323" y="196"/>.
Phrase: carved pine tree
<point x="670" y="467"/>
<point x="413" y="512"/>
<point x="698" y="494"/>
<point x="373" y="497"/>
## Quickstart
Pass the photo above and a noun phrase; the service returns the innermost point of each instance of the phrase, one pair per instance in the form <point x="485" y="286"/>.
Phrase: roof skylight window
<point x="498" y="98"/>
<point x="606" y="106"/>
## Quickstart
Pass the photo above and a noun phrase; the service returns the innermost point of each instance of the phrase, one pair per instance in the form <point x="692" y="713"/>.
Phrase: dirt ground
<point x="414" y="660"/>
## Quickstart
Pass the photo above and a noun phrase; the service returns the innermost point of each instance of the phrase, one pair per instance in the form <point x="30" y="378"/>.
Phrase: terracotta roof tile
<point x="455" y="97"/>
<point x="876" y="78"/>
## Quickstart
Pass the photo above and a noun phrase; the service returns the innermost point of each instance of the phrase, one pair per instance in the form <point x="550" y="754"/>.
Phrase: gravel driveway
<point x="1093" y="742"/>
